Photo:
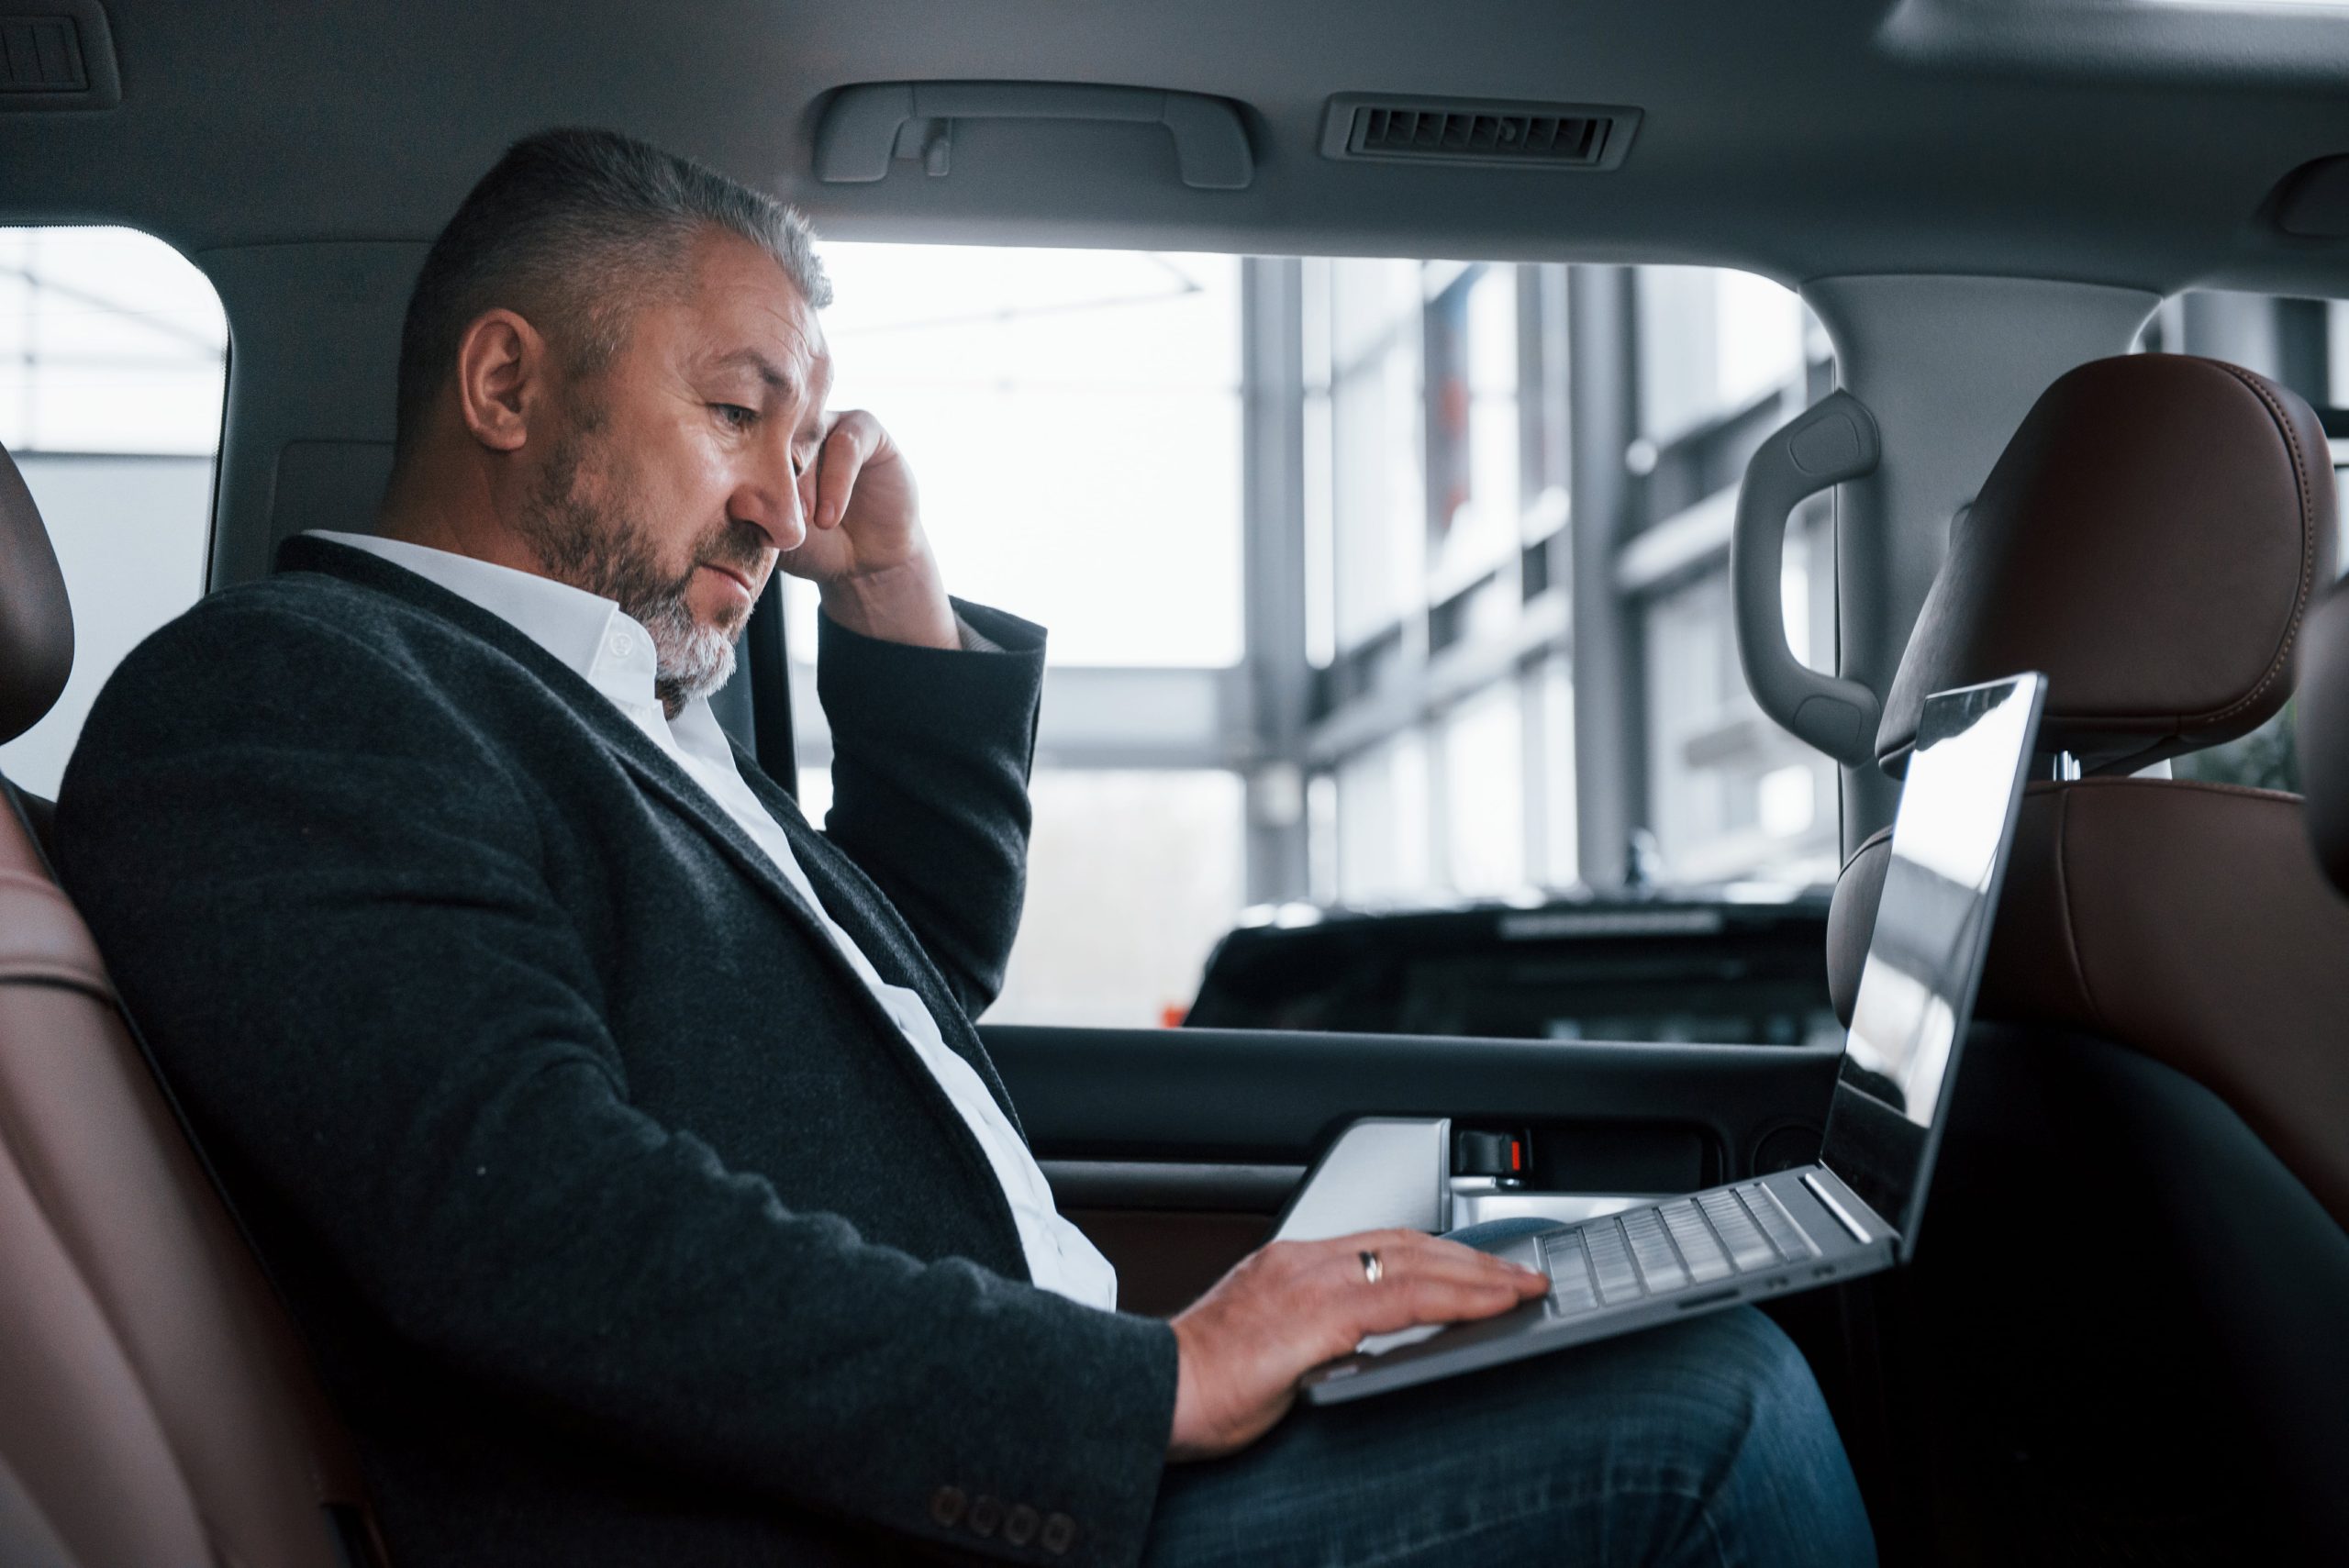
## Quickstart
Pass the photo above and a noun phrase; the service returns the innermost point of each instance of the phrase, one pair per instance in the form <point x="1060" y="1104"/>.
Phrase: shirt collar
<point x="591" y="635"/>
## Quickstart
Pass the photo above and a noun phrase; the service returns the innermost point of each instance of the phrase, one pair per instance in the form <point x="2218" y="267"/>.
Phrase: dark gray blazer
<point x="627" y="1227"/>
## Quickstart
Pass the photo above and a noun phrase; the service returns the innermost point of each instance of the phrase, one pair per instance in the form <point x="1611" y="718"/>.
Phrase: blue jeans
<point x="1703" y="1443"/>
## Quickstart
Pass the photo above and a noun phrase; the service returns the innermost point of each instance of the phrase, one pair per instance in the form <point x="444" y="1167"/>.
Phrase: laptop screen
<point x="1950" y="838"/>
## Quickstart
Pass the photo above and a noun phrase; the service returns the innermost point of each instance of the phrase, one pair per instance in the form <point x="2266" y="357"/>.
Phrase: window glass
<point x="1371" y="316"/>
<point x="1473" y="434"/>
<point x="1428" y="411"/>
<point x="112" y="353"/>
<point x="1559" y="863"/>
<point x="1383" y="823"/>
<point x="1710" y="341"/>
<point x="1484" y="806"/>
<point x="1121" y="916"/>
<point x="1441" y="561"/>
<point x="1073" y="419"/>
<point x="1734" y="797"/>
<point x="1131" y="878"/>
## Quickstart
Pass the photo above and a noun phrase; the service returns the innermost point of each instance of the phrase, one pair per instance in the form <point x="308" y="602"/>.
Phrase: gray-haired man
<point x="547" y="1048"/>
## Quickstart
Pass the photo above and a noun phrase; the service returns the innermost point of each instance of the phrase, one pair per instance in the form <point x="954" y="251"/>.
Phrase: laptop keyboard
<point x="1654" y="1251"/>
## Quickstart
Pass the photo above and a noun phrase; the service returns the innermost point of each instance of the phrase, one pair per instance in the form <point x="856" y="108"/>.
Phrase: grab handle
<point x="1834" y="441"/>
<point x="864" y="126"/>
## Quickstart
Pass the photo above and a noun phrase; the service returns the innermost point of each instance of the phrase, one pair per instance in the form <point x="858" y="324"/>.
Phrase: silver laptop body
<point x="1795" y="1229"/>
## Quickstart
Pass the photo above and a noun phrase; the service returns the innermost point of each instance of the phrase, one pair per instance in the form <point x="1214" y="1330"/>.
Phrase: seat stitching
<point x="2307" y="542"/>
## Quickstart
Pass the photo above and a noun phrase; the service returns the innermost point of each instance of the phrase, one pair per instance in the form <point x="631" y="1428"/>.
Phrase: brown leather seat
<point x="156" y="1410"/>
<point x="2323" y="733"/>
<point x="2140" y="1234"/>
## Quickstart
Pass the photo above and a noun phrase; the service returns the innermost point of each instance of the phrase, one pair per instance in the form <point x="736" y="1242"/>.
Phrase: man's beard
<point x="597" y="545"/>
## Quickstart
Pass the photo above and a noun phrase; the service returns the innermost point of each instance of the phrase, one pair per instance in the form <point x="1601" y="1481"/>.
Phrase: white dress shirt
<point x="614" y="654"/>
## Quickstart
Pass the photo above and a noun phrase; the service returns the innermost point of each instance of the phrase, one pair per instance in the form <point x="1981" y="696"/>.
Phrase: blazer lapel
<point x="864" y="911"/>
<point x="666" y="782"/>
<point x="662" y="778"/>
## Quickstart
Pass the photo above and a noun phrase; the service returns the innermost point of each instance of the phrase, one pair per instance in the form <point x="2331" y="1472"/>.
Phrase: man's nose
<point x="773" y="502"/>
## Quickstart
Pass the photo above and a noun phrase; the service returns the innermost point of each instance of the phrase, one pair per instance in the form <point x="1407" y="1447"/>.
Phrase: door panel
<point x="1170" y="1228"/>
<point x="1175" y="1149"/>
<point x="1273" y="1097"/>
<point x="1166" y="1259"/>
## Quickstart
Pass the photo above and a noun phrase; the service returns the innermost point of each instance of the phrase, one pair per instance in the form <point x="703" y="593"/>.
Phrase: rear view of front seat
<point x="2124" y="1339"/>
<point x="156" y="1410"/>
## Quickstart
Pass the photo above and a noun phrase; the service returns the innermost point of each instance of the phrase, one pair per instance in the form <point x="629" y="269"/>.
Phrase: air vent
<point x="1486" y="135"/>
<point x="59" y="56"/>
<point x="41" y="54"/>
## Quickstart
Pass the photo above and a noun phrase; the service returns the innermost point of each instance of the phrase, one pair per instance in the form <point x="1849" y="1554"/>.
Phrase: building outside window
<point x="1447" y="576"/>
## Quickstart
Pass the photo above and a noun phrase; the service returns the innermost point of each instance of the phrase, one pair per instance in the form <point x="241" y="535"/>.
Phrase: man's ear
<point x="502" y="370"/>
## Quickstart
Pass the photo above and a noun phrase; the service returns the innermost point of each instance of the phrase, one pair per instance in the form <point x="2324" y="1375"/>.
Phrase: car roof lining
<point x="2093" y="140"/>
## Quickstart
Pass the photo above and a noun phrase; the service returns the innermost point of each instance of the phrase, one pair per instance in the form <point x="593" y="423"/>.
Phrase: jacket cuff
<point x="869" y="686"/>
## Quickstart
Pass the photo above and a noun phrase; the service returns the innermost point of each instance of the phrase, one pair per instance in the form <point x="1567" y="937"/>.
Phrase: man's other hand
<point x="1289" y="1307"/>
<point x="865" y="547"/>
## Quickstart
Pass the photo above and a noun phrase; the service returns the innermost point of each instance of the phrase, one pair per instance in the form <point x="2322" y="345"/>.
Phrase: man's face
<point x="675" y="477"/>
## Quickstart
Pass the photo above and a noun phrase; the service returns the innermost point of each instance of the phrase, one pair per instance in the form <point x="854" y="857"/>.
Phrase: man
<point x="624" y="1145"/>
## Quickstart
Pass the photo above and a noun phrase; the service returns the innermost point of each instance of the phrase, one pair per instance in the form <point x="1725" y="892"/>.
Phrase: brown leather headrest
<point x="36" y="622"/>
<point x="2150" y="539"/>
<point x="2323" y="721"/>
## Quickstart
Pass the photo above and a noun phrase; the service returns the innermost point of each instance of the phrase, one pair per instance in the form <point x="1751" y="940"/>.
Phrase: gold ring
<point x="1372" y="1269"/>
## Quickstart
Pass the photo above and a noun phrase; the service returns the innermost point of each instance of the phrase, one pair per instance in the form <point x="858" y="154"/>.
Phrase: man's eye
<point x="735" y="416"/>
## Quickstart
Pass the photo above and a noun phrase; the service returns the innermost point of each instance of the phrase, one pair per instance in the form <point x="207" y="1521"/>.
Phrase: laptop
<point x="1856" y="1210"/>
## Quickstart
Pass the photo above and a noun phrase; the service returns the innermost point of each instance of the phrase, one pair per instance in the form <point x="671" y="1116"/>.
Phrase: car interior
<point x="2121" y="1341"/>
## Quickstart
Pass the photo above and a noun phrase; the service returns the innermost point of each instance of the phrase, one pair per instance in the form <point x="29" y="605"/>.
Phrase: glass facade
<point x="1439" y="452"/>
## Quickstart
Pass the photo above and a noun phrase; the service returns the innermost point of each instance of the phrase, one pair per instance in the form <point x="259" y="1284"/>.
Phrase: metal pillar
<point x="1279" y="676"/>
<point x="1610" y="771"/>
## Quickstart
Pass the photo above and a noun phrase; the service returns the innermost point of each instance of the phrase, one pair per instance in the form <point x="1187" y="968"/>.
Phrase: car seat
<point x="2122" y="1339"/>
<point x="156" y="1408"/>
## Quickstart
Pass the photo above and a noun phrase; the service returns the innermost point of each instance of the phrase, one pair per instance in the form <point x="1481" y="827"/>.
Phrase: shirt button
<point x="1060" y="1533"/>
<point x="622" y="645"/>
<point x="946" y="1506"/>
<point x="985" y="1514"/>
<point x="1019" y="1526"/>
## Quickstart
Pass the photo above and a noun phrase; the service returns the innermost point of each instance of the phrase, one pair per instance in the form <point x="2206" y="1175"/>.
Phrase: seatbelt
<point x="772" y="740"/>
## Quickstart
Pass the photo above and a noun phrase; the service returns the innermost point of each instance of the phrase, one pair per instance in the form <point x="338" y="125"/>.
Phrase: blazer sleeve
<point x="329" y="912"/>
<point x="930" y="754"/>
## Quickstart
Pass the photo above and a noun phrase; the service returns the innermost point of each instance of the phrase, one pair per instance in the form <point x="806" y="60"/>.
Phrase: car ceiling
<point x="2096" y="141"/>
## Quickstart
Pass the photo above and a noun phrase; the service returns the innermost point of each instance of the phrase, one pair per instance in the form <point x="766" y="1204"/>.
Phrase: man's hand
<point x="1293" y="1305"/>
<point x="865" y="547"/>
